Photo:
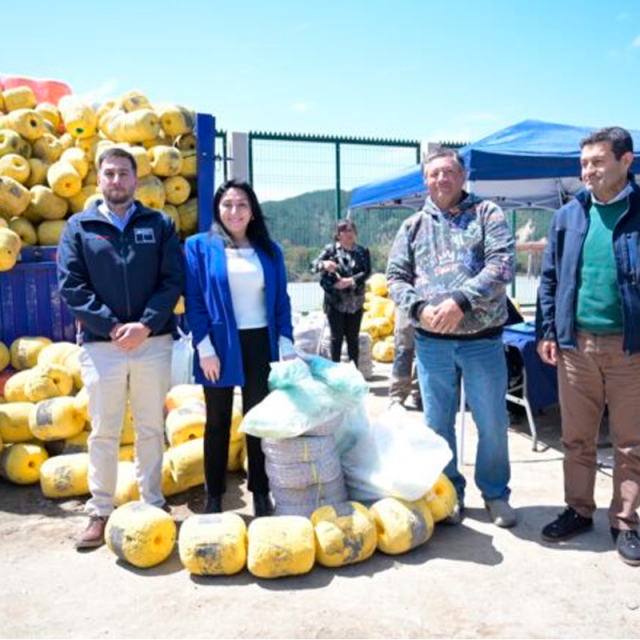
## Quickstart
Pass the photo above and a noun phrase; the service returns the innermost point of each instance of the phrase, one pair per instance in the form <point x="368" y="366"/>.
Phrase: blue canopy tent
<point x="530" y="164"/>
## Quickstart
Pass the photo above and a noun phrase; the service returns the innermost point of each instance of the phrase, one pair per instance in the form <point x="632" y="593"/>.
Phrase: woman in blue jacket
<point x="239" y="313"/>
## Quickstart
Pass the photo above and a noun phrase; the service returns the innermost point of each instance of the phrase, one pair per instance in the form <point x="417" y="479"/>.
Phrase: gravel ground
<point x="474" y="580"/>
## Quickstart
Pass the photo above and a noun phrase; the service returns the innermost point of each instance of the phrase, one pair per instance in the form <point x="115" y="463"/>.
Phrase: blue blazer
<point x="209" y="306"/>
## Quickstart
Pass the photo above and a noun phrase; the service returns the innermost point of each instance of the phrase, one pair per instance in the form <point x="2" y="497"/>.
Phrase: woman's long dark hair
<point x="257" y="231"/>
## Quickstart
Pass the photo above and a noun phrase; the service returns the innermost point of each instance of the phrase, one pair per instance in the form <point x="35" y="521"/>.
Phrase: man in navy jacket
<point x="588" y="325"/>
<point x="120" y="273"/>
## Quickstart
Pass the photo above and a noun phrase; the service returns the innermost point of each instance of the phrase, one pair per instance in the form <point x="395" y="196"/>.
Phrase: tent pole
<point x="515" y="263"/>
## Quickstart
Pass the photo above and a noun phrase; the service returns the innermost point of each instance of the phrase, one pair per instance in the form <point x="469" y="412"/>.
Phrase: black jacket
<point x="108" y="277"/>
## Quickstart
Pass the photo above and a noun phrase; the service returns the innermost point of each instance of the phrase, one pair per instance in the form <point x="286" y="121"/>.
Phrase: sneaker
<point x="501" y="513"/>
<point x="628" y="546"/>
<point x="568" y="524"/>
<point x="456" y="515"/>
<point x="93" y="536"/>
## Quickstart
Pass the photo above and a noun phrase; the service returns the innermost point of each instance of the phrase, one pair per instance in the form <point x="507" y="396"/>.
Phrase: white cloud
<point x="622" y="16"/>
<point x="101" y="93"/>
<point x="636" y="42"/>
<point x="300" y="106"/>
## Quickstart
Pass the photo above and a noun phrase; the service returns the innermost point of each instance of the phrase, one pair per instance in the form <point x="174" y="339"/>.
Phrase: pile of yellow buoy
<point x="378" y="319"/>
<point x="278" y="546"/>
<point x="49" y="155"/>
<point x="44" y="402"/>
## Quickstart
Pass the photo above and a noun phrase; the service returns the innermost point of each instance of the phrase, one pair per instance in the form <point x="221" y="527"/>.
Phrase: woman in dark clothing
<point x="345" y="266"/>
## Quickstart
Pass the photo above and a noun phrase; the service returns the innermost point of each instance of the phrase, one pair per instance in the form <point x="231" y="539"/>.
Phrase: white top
<point x="246" y="281"/>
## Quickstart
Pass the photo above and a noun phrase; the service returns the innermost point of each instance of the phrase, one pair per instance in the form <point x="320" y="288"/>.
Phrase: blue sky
<point x="401" y="69"/>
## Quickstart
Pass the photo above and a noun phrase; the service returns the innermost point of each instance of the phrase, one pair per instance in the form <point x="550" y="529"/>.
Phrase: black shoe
<point x="628" y="546"/>
<point x="568" y="524"/>
<point x="262" y="505"/>
<point x="214" y="504"/>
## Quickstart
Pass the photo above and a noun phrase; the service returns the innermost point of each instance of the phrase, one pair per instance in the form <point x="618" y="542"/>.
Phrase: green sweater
<point x="599" y="308"/>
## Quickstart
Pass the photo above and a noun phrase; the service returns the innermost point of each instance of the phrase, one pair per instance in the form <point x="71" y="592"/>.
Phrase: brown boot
<point x="93" y="535"/>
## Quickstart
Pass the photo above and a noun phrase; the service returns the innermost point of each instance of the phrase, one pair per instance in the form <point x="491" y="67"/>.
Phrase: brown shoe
<point x="93" y="535"/>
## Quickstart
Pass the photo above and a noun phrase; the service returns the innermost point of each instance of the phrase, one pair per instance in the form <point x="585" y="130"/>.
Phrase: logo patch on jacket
<point x="144" y="236"/>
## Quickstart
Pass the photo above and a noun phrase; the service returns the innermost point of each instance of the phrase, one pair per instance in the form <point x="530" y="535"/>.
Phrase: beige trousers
<point x="596" y="374"/>
<point x="111" y="376"/>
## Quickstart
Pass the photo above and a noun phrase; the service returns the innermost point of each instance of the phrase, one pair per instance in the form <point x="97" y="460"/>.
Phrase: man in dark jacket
<point x="120" y="273"/>
<point x="588" y="324"/>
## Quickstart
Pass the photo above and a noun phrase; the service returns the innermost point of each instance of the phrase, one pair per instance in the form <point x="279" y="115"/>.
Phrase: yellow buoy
<point x="25" y="230"/>
<point x="14" y="387"/>
<point x="14" y="197"/>
<point x="176" y="120"/>
<point x="65" y="476"/>
<point x="25" y="351"/>
<point x="50" y="231"/>
<point x="377" y="284"/>
<point x="280" y="546"/>
<point x="189" y="216"/>
<point x="189" y="164"/>
<point x="383" y="351"/>
<point x="143" y="166"/>
<point x="213" y="544"/>
<point x="10" y="245"/>
<point x="26" y="122"/>
<point x="64" y="179"/>
<point x="14" y="421"/>
<point x="177" y="190"/>
<point x="401" y="525"/>
<point x="181" y="394"/>
<point x="14" y="166"/>
<point x="186" y="462"/>
<point x="79" y="118"/>
<point x="134" y="100"/>
<point x="185" y="423"/>
<point x="46" y="204"/>
<point x="77" y="443"/>
<point x="127" y="485"/>
<point x="21" y="97"/>
<point x="140" y="534"/>
<point x="150" y="192"/>
<point x="50" y="113"/>
<point x="37" y="173"/>
<point x="47" y="148"/>
<point x="442" y="498"/>
<point x="20" y="463"/>
<point x="76" y="158"/>
<point x="48" y="380"/>
<point x="345" y="533"/>
<point x="165" y="161"/>
<point x="56" y="419"/>
<point x="5" y="356"/>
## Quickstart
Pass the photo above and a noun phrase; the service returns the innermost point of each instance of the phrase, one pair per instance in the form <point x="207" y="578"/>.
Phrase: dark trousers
<point x="219" y="401"/>
<point x="344" y="325"/>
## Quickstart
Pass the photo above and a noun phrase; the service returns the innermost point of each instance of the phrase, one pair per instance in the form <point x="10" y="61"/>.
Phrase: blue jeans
<point x="483" y="367"/>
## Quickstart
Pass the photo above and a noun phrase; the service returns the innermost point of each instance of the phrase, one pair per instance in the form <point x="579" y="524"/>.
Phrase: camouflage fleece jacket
<point x="466" y="254"/>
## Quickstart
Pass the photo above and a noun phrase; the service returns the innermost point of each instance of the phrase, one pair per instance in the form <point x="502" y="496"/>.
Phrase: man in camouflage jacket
<point x="448" y="269"/>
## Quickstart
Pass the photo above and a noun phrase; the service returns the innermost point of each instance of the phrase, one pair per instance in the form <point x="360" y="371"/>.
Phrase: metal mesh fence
<point x="304" y="184"/>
